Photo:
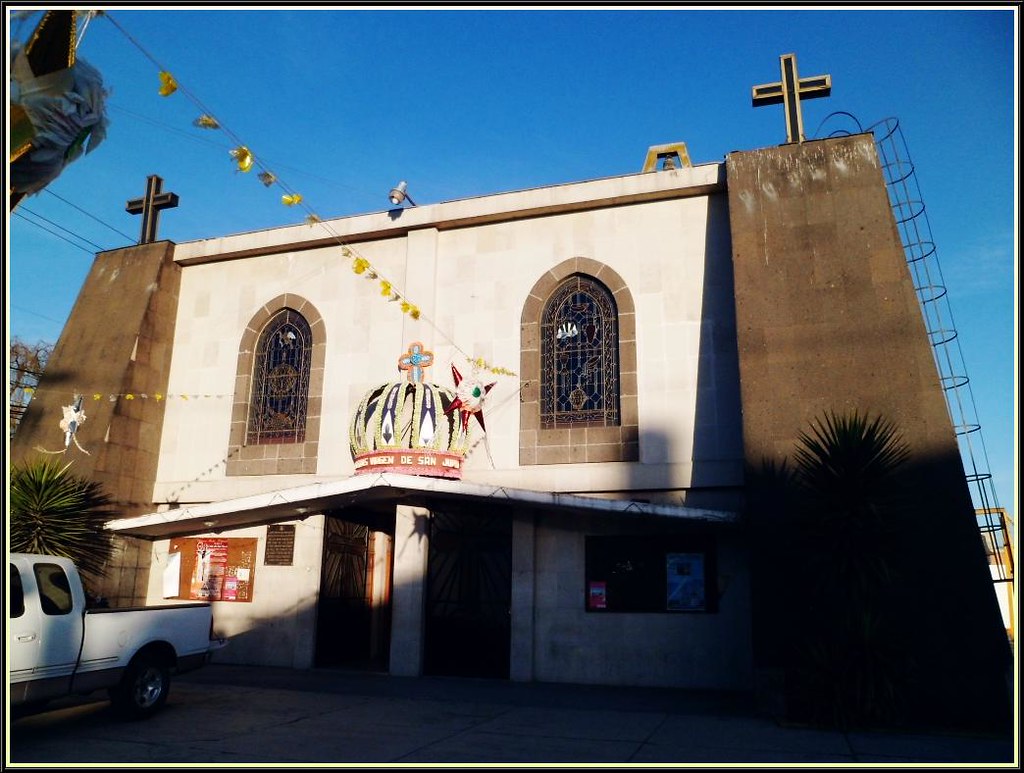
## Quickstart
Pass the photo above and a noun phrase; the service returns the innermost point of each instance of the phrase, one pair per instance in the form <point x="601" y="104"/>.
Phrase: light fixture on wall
<point x="399" y="194"/>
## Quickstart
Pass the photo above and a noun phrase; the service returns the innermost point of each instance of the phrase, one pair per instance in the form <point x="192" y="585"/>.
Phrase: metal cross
<point x="789" y="91"/>
<point x="150" y="206"/>
<point x="414" y="361"/>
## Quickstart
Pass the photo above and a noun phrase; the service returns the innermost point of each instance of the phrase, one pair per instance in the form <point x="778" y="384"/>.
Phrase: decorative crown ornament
<point x="414" y="427"/>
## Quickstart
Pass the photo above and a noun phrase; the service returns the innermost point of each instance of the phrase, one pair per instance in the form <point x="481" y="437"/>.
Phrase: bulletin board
<point x="216" y="568"/>
<point x="650" y="573"/>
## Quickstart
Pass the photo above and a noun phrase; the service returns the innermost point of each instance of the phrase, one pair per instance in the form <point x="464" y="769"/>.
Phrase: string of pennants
<point x="74" y="415"/>
<point x="245" y="161"/>
<point x="158" y="396"/>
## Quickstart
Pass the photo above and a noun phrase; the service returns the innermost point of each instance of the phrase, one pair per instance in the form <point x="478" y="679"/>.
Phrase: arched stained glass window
<point x="280" y="381"/>
<point x="579" y="356"/>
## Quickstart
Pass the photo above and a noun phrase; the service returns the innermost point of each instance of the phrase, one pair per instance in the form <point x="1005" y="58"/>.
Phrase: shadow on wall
<point x="884" y="616"/>
<point x="717" y="431"/>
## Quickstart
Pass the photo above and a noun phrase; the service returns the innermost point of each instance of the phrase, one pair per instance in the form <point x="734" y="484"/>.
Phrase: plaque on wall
<point x="280" y="549"/>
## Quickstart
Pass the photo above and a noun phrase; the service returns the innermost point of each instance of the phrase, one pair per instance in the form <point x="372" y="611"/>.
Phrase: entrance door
<point x="469" y="595"/>
<point x="346" y="621"/>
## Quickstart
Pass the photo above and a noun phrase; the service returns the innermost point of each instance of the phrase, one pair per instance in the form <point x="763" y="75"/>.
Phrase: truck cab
<point x="58" y="646"/>
<point x="46" y="631"/>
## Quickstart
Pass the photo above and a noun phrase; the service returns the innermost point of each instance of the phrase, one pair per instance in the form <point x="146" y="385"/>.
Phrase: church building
<point x="513" y="436"/>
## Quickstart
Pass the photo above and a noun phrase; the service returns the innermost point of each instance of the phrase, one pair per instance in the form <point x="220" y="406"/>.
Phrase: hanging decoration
<point x="206" y="122"/>
<point x="469" y="399"/>
<point x="167" y="84"/>
<point x="245" y="161"/>
<point x="243" y="157"/>
<point x="57" y="106"/>
<point x="157" y="396"/>
<point x="74" y="417"/>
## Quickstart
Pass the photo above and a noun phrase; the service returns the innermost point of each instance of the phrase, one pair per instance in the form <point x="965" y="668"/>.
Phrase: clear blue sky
<point x="342" y="103"/>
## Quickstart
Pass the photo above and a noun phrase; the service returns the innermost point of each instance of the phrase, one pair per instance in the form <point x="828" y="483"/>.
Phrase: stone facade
<point x="750" y="296"/>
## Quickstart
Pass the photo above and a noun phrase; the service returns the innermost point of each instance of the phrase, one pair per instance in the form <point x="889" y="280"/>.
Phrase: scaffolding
<point x="911" y="217"/>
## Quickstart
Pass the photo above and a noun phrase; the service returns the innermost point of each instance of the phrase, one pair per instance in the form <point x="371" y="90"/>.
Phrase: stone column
<point x="412" y="530"/>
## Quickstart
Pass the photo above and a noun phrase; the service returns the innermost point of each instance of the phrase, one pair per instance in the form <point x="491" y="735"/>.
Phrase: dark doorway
<point x="469" y="595"/>
<point x="353" y="617"/>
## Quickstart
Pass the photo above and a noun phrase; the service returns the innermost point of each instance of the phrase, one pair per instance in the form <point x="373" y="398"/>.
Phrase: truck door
<point x="22" y="636"/>
<point x="48" y="636"/>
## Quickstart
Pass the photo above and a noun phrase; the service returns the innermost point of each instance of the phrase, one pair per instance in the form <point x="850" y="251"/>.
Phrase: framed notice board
<point x="216" y="568"/>
<point x="280" y="548"/>
<point x="650" y="573"/>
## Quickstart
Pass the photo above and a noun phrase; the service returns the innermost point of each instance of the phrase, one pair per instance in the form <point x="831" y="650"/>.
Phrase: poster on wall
<point x="685" y="582"/>
<point x="597" y="595"/>
<point x="210" y="566"/>
<point x="215" y="568"/>
<point x="172" y="576"/>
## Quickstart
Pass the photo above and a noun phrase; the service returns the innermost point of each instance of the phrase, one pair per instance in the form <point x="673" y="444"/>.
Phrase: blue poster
<point x="685" y="586"/>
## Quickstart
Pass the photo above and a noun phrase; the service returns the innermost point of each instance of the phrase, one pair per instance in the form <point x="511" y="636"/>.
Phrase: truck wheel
<point x="143" y="689"/>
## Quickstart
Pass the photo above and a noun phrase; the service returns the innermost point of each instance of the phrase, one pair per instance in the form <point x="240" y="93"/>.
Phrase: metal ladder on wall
<point x="915" y="233"/>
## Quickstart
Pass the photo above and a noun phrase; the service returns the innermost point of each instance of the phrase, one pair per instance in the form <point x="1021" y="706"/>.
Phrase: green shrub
<point x="57" y="513"/>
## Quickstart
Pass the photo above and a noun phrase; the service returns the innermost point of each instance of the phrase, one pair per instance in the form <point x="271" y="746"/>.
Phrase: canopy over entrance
<point x="383" y="491"/>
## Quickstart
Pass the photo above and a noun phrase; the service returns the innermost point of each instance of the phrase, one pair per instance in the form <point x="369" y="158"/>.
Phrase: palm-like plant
<point x="57" y="513"/>
<point x="847" y="463"/>
<point x="847" y="475"/>
<point x="848" y="487"/>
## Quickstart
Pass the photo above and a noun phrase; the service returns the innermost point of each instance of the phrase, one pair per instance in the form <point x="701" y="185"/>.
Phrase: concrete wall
<point x="693" y="650"/>
<point x="115" y="350"/>
<point x="278" y="627"/>
<point x="828" y="320"/>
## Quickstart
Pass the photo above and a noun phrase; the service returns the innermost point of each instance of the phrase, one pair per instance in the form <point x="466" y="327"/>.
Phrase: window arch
<point x="280" y="381"/>
<point x="275" y="418"/>
<point x="578" y="364"/>
<point x="579" y="355"/>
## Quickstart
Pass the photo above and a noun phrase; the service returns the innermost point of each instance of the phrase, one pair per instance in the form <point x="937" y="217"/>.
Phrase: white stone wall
<point x="672" y="649"/>
<point x="471" y="281"/>
<point x="471" y="284"/>
<point x="276" y="628"/>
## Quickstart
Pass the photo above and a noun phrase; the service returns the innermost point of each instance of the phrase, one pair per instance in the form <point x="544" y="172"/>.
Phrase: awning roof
<point x="384" y="489"/>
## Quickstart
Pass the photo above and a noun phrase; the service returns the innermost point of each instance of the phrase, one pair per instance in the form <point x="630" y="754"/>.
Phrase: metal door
<point x="469" y="595"/>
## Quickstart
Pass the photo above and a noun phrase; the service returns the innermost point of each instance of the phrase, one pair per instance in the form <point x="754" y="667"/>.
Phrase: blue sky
<point x="341" y="103"/>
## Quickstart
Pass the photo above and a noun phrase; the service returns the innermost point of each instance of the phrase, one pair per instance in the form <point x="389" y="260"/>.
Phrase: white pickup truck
<point x="58" y="647"/>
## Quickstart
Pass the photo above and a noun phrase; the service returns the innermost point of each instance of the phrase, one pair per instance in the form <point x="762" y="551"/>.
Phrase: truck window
<point x="17" y="595"/>
<point x="54" y="589"/>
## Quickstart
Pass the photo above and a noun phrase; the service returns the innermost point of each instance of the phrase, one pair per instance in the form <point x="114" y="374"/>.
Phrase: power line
<point x="65" y="230"/>
<point x="168" y="127"/>
<point x="36" y="313"/>
<point x="70" y="204"/>
<point x="44" y="228"/>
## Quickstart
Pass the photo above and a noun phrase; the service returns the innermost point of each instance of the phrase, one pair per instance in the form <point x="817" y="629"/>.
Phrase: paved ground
<point x="237" y="715"/>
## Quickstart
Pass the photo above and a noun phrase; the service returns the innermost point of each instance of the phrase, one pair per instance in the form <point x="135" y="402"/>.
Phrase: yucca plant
<point x="57" y="513"/>
<point x="847" y="464"/>
<point x="852" y="522"/>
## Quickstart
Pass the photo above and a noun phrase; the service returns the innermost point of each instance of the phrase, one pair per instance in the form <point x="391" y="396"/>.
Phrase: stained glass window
<point x="280" y="387"/>
<point x="579" y="356"/>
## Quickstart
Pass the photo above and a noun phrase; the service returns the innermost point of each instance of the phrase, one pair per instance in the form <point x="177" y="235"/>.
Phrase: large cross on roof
<point x="789" y="91"/>
<point x="149" y="206"/>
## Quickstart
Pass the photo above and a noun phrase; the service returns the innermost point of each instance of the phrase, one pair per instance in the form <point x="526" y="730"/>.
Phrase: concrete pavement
<point x="239" y="715"/>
